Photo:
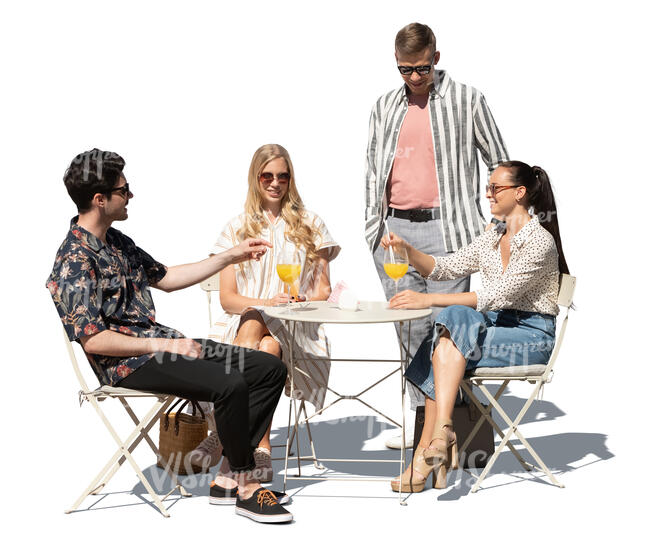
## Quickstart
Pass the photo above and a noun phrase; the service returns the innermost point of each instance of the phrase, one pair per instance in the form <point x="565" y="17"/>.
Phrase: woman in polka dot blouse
<point x="509" y="321"/>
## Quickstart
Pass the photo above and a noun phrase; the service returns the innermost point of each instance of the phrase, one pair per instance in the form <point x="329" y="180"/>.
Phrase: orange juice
<point x="396" y="270"/>
<point x="288" y="272"/>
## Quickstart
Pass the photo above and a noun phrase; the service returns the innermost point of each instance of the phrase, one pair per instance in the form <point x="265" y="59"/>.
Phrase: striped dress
<point x="259" y="279"/>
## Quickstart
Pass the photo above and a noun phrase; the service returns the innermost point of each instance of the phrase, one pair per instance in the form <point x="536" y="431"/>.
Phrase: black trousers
<point x="244" y="385"/>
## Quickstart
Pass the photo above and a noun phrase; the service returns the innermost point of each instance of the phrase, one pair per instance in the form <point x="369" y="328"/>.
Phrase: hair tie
<point x="536" y="170"/>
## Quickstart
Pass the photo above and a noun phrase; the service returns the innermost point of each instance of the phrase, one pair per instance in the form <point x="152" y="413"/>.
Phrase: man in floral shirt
<point x="100" y="285"/>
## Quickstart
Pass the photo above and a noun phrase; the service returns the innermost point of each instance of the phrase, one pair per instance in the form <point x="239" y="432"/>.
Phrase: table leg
<point x="296" y="411"/>
<point x="286" y="449"/>
<point x="402" y="389"/>
<point x="318" y="465"/>
<point x="291" y="405"/>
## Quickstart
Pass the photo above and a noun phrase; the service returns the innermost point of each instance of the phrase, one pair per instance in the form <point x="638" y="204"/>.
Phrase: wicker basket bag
<point x="180" y="433"/>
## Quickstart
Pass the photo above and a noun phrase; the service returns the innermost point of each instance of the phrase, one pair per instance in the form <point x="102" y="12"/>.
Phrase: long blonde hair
<point x="292" y="209"/>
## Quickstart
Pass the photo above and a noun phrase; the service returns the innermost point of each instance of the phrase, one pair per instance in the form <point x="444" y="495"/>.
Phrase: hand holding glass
<point x="396" y="263"/>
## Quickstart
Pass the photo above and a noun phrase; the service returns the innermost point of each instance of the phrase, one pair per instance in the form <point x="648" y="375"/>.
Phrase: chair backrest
<point x="567" y="287"/>
<point x="209" y="285"/>
<point x="75" y="364"/>
<point x="564" y="299"/>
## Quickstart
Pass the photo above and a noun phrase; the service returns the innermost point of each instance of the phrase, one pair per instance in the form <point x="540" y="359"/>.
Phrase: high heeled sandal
<point x="442" y="453"/>
<point x="419" y="466"/>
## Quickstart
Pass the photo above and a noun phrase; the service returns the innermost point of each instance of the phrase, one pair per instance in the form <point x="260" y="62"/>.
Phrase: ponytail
<point x="540" y="197"/>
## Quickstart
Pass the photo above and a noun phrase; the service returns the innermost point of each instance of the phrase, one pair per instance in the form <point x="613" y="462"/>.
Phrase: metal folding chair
<point x="539" y="375"/>
<point x="124" y="447"/>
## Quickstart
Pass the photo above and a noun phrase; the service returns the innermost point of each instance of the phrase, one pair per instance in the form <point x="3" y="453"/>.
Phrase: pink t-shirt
<point x="413" y="182"/>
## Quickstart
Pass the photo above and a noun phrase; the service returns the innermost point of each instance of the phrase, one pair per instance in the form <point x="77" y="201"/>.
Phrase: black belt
<point x="416" y="215"/>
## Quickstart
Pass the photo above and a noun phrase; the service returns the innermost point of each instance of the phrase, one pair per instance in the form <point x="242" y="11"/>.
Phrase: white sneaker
<point x="206" y="454"/>
<point x="395" y="442"/>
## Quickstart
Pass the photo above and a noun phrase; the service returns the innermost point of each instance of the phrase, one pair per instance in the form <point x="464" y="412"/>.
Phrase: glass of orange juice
<point x="396" y="263"/>
<point x="288" y="268"/>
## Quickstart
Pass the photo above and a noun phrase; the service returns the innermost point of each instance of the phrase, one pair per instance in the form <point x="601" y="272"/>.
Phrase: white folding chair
<point x="124" y="447"/>
<point x="211" y="284"/>
<point x="534" y="374"/>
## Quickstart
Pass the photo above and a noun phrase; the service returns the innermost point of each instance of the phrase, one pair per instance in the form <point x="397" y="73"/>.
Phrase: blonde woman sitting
<point x="275" y="212"/>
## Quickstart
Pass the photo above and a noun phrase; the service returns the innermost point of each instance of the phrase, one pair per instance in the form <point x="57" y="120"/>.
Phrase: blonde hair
<point x="292" y="209"/>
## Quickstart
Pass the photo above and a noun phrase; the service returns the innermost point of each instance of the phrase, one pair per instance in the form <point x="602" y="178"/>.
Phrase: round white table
<point x="369" y="312"/>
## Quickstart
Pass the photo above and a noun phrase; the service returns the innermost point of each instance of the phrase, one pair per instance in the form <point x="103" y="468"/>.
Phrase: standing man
<point x="100" y="285"/>
<point x="422" y="172"/>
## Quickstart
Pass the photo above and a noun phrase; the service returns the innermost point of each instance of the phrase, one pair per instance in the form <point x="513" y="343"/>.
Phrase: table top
<point x="369" y="312"/>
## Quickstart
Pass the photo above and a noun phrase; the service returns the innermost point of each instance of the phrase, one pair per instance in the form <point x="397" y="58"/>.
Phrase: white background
<point x="186" y="92"/>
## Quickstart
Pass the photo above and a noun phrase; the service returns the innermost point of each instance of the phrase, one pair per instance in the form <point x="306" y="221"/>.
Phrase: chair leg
<point x="512" y="429"/>
<point x="115" y="461"/>
<point x="124" y="453"/>
<point x="485" y="415"/>
<point x="124" y="449"/>
<point x="154" y="448"/>
<point x="293" y="436"/>
<point x="514" y="426"/>
<point x="151" y="417"/>
<point x="136" y="421"/>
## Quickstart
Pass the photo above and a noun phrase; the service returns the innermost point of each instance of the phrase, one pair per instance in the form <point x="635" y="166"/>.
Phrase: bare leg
<point x="425" y="439"/>
<point x="448" y="370"/>
<point x="429" y="422"/>
<point x="251" y="330"/>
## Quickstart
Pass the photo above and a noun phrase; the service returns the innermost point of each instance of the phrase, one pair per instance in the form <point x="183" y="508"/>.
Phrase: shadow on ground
<point x="346" y="437"/>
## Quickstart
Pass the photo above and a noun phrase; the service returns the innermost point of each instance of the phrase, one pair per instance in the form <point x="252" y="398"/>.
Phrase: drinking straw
<point x="390" y="247"/>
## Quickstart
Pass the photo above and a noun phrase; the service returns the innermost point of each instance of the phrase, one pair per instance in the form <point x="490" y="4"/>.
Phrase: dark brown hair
<point x="92" y="172"/>
<point x="539" y="194"/>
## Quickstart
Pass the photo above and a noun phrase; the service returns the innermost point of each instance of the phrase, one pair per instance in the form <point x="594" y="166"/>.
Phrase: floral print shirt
<point x="97" y="286"/>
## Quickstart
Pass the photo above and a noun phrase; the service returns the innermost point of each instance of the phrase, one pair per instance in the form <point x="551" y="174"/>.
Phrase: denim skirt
<point x="491" y="339"/>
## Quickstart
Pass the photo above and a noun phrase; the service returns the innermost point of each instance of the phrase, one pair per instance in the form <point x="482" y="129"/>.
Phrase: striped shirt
<point x="461" y="125"/>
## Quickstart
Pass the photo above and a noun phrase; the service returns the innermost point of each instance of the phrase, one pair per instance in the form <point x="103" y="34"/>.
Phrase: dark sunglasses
<point x="124" y="190"/>
<point x="267" y="177"/>
<point x="408" y="70"/>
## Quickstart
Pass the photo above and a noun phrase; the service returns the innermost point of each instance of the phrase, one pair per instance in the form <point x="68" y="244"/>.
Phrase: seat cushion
<point x="510" y="372"/>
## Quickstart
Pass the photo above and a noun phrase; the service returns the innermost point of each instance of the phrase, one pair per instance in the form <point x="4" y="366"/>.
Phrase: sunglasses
<point x="123" y="190"/>
<point x="282" y="178"/>
<point x="421" y="70"/>
<point x="492" y="188"/>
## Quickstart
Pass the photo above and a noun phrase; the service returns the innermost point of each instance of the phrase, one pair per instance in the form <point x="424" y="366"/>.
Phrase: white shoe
<point x="207" y="454"/>
<point x="395" y="442"/>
